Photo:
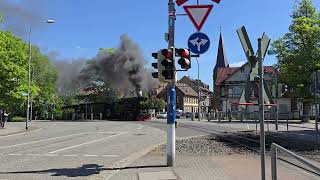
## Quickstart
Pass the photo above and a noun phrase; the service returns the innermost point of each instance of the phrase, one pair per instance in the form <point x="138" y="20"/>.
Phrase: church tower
<point x="221" y="60"/>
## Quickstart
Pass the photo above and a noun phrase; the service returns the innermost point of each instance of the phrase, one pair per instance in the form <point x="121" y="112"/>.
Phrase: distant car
<point x="178" y="113"/>
<point x="188" y="114"/>
<point x="162" y="115"/>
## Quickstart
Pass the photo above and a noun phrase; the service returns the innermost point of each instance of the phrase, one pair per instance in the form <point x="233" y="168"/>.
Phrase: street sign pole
<point x="171" y="95"/>
<point x="261" y="108"/>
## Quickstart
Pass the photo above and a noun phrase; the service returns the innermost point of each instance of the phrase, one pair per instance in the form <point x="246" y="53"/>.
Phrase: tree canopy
<point x="298" y="51"/>
<point x="14" y="55"/>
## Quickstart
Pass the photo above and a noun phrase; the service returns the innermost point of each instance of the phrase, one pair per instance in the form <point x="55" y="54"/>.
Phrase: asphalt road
<point x="73" y="150"/>
<point x="86" y="150"/>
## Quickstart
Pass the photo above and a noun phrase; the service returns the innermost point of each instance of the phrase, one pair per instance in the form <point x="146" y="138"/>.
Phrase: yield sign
<point x="198" y="14"/>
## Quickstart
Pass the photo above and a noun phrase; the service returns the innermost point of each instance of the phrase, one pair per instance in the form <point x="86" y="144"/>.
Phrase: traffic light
<point x="167" y="61"/>
<point x="185" y="58"/>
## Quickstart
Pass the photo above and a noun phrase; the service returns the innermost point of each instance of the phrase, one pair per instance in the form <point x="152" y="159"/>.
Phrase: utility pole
<point x="171" y="146"/>
<point x="277" y="107"/>
<point x="261" y="109"/>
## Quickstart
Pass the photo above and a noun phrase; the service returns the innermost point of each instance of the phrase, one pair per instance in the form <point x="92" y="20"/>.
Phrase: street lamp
<point x="49" y="21"/>
<point x="199" y="100"/>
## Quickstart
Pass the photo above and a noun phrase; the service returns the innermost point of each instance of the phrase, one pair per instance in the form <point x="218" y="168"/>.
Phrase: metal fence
<point x="274" y="156"/>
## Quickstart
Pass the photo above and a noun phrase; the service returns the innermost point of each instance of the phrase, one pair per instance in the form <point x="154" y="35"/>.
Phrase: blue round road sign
<point x="198" y="43"/>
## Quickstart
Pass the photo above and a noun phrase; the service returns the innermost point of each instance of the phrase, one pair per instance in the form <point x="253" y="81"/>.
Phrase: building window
<point x="283" y="108"/>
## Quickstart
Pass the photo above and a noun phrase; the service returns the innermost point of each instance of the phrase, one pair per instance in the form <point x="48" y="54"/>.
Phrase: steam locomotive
<point x="125" y="109"/>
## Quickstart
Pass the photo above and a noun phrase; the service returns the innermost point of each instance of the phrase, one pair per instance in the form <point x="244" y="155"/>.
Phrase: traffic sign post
<point x="256" y="76"/>
<point x="198" y="14"/>
<point x="199" y="43"/>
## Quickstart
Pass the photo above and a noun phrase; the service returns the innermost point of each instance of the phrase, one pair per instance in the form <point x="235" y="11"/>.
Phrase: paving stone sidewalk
<point x="203" y="167"/>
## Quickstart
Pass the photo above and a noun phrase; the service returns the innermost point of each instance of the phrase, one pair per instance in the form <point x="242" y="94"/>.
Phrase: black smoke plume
<point x="18" y="16"/>
<point x="124" y="69"/>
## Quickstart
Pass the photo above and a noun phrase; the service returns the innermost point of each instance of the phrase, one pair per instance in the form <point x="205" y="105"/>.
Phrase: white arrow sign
<point x="198" y="42"/>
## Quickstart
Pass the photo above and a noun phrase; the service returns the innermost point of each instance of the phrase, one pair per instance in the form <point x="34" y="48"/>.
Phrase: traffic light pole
<point x="171" y="95"/>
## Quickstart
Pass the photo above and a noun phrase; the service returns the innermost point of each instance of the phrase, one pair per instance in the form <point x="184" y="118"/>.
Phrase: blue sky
<point x="82" y="27"/>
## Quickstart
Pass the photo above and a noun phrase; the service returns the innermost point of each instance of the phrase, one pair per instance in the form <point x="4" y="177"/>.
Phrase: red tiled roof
<point x="224" y="73"/>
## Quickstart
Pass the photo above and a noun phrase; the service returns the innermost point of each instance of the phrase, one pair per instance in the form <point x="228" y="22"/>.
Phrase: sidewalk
<point x="11" y="128"/>
<point x="203" y="167"/>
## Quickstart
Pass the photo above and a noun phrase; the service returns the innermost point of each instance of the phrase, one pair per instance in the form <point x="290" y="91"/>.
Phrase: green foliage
<point x="153" y="103"/>
<point x="13" y="72"/>
<point x="17" y="119"/>
<point x="14" y="55"/>
<point x="298" y="51"/>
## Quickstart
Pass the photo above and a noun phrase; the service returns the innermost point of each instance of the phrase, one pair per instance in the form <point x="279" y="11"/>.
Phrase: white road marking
<point x="87" y="142"/>
<point x="70" y="155"/>
<point x="140" y="127"/>
<point x="109" y="156"/>
<point x="90" y="155"/>
<point x="14" y="154"/>
<point x="20" y="133"/>
<point x="51" y="155"/>
<point x="54" y="139"/>
<point x="34" y="154"/>
<point x="57" y="155"/>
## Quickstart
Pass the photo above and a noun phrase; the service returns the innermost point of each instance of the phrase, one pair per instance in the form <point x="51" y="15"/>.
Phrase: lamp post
<point x="199" y="99"/>
<point x="29" y="68"/>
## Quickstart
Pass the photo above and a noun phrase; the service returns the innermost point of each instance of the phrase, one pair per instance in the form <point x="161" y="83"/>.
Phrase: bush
<point x="17" y="119"/>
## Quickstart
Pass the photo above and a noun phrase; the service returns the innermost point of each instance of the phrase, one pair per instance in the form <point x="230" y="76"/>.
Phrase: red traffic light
<point x="183" y="53"/>
<point x="167" y="53"/>
<point x="184" y="63"/>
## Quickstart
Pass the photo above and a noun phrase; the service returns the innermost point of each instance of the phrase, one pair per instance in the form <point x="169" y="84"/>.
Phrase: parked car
<point x="162" y="115"/>
<point x="178" y="113"/>
<point x="188" y="114"/>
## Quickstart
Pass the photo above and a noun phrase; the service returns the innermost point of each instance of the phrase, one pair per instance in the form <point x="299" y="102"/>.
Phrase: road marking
<point x="109" y="156"/>
<point x="13" y="154"/>
<point x="53" y="139"/>
<point x="34" y="154"/>
<point x="87" y="143"/>
<point x="57" y="155"/>
<point x="51" y="155"/>
<point x="20" y="133"/>
<point x="70" y="155"/>
<point x="140" y="127"/>
<point x="90" y="155"/>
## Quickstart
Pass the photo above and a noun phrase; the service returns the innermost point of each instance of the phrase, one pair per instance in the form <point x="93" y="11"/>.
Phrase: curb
<point x="20" y="132"/>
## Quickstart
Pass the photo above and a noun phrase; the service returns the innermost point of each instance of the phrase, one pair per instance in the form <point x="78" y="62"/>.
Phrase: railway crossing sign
<point x="198" y="14"/>
<point x="253" y="62"/>
<point x="199" y="43"/>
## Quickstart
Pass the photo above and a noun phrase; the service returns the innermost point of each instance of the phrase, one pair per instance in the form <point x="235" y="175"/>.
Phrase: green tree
<point x="13" y="72"/>
<point x="298" y="51"/>
<point x="44" y="77"/>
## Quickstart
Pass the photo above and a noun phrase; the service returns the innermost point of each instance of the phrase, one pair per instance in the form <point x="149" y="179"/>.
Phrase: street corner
<point x="14" y="131"/>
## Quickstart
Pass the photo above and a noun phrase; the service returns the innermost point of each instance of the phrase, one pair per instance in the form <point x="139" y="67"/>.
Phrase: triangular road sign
<point x="198" y="14"/>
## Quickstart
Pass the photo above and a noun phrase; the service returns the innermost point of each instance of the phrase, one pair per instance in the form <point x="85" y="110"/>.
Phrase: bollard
<point x="241" y="116"/>
<point x="100" y="116"/>
<point x="91" y="116"/>
<point x="219" y="116"/>
<point x="73" y="116"/>
<point x="82" y="116"/>
<point x="192" y="117"/>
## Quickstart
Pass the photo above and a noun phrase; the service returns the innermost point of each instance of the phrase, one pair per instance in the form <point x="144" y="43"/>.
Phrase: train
<point x="125" y="109"/>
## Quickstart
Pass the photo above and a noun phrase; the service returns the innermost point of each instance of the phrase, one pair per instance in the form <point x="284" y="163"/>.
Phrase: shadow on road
<point x="84" y="170"/>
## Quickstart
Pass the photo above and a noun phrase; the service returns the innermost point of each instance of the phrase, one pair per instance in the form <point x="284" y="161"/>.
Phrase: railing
<point x="274" y="157"/>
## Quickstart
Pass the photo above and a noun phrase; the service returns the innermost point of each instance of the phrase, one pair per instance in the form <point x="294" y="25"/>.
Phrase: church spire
<point x="221" y="56"/>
